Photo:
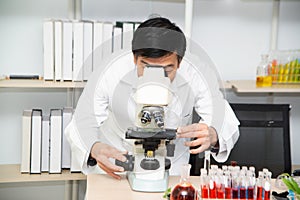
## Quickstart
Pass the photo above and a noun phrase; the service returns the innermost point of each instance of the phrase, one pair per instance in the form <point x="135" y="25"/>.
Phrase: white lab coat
<point x="106" y="109"/>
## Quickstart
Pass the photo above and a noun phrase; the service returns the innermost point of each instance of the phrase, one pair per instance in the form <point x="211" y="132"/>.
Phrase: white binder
<point x="87" y="49"/>
<point x="57" y="50"/>
<point x="107" y="39"/>
<point x="66" y="153"/>
<point x="55" y="141"/>
<point x="48" y="49"/>
<point x="97" y="42"/>
<point x="45" y="143"/>
<point x="78" y="51"/>
<point x="26" y="141"/>
<point x="67" y="51"/>
<point x="117" y="39"/>
<point x="36" y="141"/>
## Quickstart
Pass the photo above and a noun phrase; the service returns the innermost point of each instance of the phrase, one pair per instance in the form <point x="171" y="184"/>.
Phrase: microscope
<point x="148" y="166"/>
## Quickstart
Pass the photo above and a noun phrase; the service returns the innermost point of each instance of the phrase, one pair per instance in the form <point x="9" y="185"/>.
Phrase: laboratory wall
<point x="234" y="33"/>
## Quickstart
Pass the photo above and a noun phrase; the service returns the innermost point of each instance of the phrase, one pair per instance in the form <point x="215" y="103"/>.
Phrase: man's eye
<point x="168" y="69"/>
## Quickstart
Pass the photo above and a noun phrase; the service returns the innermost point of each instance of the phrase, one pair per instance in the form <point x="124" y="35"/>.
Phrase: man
<point x="97" y="130"/>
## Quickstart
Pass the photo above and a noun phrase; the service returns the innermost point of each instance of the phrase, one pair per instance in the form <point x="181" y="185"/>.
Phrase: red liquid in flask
<point x="183" y="192"/>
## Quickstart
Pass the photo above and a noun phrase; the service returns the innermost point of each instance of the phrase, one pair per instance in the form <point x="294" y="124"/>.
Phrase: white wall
<point x="234" y="33"/>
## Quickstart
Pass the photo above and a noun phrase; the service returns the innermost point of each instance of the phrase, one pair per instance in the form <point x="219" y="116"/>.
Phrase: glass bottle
<point x="263" y="75"/>
<point x="184" y="190"/>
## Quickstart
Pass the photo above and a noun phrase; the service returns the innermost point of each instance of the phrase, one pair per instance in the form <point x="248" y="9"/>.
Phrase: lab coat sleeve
<point x="215" y="111"/>
<point x="83" y="130"/>
<point x="227" y="135"/>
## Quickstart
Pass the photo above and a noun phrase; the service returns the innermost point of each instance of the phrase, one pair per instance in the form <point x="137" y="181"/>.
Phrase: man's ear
<point x="179" y="62"/>
<point x="135" y="59"/>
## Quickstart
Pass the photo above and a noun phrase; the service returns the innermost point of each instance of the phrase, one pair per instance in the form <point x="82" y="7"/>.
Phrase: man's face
<point x="169" y="62"/>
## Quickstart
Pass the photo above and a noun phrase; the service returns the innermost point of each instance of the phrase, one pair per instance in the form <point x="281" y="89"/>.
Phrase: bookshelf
<point x="11" y="174"/>
<point x="40" y="84"/>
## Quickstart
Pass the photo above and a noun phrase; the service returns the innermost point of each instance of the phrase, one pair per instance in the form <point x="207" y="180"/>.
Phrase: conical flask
<point x="184" y="190"/>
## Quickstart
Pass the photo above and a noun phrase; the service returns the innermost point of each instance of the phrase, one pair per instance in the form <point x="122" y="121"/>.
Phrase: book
<point x="26" y="141"/>
<point x="48" y="49"/>
<point x="67" y="51"/>
<point x="87" y="49"/>
<point x="55" y="141"/>
<point x="66" y="152"/>
<point x="36" y="141"/>
<point x="77" y="51"/>
<point x="45" y="143"/>
<point x="97" y="42"/>
<point x="57" y="50"/>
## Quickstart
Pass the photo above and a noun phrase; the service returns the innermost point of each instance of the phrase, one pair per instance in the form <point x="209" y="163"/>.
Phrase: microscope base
<point x="148" y="185"/>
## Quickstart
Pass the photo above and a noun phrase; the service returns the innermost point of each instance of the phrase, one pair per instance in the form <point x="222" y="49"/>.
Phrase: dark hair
<point x="158" y="37"/>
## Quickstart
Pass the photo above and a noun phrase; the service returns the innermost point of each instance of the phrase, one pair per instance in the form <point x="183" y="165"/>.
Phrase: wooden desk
<point x="249" y="86"/>
<point x="12" y="174"/>
<point x="102" y="186"/>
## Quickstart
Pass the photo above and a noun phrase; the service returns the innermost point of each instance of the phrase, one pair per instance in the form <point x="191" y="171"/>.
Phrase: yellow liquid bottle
<point x="263" y="76"/>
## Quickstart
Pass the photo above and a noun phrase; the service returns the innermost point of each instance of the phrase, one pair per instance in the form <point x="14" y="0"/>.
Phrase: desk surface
<point x="100" y="186"/>
<point x="249" y="86"/>
<point x="11" y="174"/>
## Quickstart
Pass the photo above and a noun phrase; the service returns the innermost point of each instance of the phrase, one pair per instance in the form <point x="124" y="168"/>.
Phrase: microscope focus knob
<point x="128" y="165"/>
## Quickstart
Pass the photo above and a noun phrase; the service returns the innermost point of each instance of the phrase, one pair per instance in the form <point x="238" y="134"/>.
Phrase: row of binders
<point x="44" y="145"/>
<point x="74" y="49"/>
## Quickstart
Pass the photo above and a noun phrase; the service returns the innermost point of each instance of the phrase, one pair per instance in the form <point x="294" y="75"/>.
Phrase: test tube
<point x="259" y="194"/>
<point x="267" y="186"/>
<point x="204" y="183"/>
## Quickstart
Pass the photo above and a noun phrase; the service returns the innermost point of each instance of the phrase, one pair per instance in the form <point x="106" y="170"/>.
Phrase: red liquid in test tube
<point x="228" y="193"/>
<point x="267" y="195"/>
<point x="235" y="193"/>
<point x="250" y="193"/>
<point x="259" y="192"/>
<point x="204" y="192"/>
<point x="242" y="193"/>
<point x="212" y="190"/>
<point x="220" y="194"/>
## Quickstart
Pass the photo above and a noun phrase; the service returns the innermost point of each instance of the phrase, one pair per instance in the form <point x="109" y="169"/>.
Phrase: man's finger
<point x="105" y="161"/>
<point x="191" y="128"/>
<point x="110" y="173"/>
<point x="199" y="149"/>
<point x="195" y="142"/>
<point x="120" y="156"/>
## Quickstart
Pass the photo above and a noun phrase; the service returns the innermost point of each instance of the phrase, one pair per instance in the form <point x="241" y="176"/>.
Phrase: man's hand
<point x="102" y="152"/>
<point x="203" y="136"/>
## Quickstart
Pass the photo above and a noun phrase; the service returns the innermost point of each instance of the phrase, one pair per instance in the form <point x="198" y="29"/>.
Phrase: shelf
<point x="249" y="86"/>
<point x="39" y="84"/>
<point x="12" y="174"/>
